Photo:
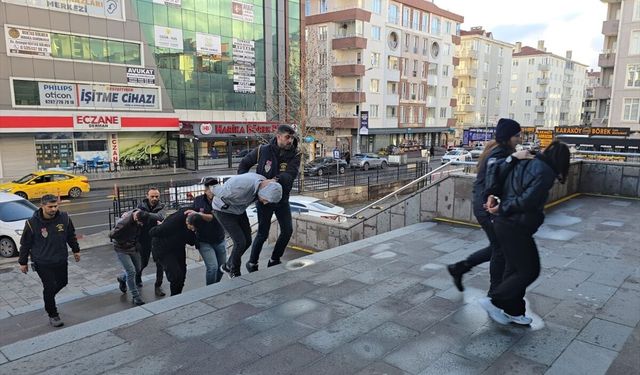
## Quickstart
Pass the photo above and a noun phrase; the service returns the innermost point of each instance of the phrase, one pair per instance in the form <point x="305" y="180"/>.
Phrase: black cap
<point x="208" y="181"/>
<point x="284" y="128"/>
<point x="506" y="129"/>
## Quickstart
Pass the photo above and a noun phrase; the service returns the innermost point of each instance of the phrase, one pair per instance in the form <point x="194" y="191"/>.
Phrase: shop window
<point x="26" y="92"/>
<point x="91" y="145"/>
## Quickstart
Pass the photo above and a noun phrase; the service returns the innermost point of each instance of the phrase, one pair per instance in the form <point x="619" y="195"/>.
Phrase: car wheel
<point x="320" y="172"/>
<point x="383" y="165"/>
<point x="75" y="192"/>
<point x="341" y="170"/>
<point x="8" y="248"/>
<point x="22" y="195"/>
<point x="365" y="166"/>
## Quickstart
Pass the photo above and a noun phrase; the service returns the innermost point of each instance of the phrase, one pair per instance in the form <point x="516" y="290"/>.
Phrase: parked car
<point x="303" y="205"/>
<point x="366" y="161"/>
<point x="456" y="155"/>
<point x="35" y="185"/>
<point x="321" y="166"/>
<point x="476" y="152"/>
<point x="182" y="195"/>
<point x="14" y="210"/>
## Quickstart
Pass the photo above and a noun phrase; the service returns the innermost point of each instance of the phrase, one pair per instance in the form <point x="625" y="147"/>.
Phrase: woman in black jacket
<point x="524" y="191"/>
<point x="167" y="244"/>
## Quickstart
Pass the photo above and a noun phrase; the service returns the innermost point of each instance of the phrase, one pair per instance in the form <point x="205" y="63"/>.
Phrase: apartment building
<point x="483" y="77"/>
<point x="137" y="81"/>
<point x="389" y="61"/>
<point x="618" y="96"/>
<point x="546" y="90"/>
<point x="589" y="105"/>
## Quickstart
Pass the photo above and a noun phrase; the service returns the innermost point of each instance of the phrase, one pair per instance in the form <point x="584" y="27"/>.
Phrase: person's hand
<point x="493" y="204"/>
<point x="493" y="210"/>
<point x="24" y="268"/>
<point x="76" y="256"/>
<point x="189" y="212"/>
<point x="523" y="155"/>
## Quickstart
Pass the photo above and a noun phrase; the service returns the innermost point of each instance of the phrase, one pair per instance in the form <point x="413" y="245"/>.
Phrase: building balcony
<point x="348" y="70"/>
<point x="544" y="67"/>
<point x="344" y="122"/>
<point x="610" y="27"/>
<point x="602" y="92"/>
<point x="353" y="14"/>
<point x="453" y="102"/>
<point x="467" y="72"/>
<point x="349" y="42"/>
<point x="539" y="109"/>
<point x="455" y="39"/>
<point x="471" y="91"/>
<point x="538" y="122"/>
<point x="542" y="94"/>
<point x="543" y="81"/>
<point x="607" y="60"/>
<point x="469" y="53"/>
<point x="455" y="61"/>
<point x="348" y="97"/>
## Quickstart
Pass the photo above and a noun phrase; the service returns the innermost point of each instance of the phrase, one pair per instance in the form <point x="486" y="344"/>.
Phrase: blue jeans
<point x="213" y="255"/>
<point x="131" y="264"/>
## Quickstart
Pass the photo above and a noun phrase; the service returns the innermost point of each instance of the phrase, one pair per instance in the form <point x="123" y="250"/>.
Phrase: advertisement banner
<point x="572" y="130"/>
<point x="364" y="122"/>
<point x="111" y="9"/>
<point x="244" y="52"/>
<point x="208" y="44"/>
<point x="55" y="94"/>
<point x="168" y="37"/>
<point x="544" y="137"/>
<point x="614" y="132"/>
<point x="244" y="70"/>
<point x="136" y="148"/>
<point x="28" y="42"/>
<point x="117" y="97"/>
<point x="96" y="122"/>
<point x="242" y="11"/>
<point x="142" y="76"/>
<point x="177" y="3"/>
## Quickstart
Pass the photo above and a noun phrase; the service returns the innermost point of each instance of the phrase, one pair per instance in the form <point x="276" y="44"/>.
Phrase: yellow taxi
<point x="37" y="184"/>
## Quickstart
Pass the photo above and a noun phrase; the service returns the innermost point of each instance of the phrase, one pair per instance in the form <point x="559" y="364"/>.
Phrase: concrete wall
<point x="450" y="198"/>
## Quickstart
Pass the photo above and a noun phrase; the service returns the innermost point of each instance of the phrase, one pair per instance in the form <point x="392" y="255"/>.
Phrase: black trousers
<point x="145" y="255"/>
<point x="522" y="265"/>
<point x="174" y="263"/>
<point x="54" y="278"/>
<point x="265" y="212"/>
<point x="492" y="253"/>
<point x="238" y="228"/>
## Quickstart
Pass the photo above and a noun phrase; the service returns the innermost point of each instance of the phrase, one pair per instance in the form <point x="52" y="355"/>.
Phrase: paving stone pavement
<point x="351" y="310"/>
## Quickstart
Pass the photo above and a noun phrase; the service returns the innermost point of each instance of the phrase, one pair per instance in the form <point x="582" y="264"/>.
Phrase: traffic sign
<point x="336" y="153"/>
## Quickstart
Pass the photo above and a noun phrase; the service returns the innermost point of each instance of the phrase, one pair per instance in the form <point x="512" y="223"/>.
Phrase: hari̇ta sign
<point x="240" y="130"/>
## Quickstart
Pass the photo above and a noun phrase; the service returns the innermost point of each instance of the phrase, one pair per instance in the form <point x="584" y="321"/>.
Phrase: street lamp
<point x="486" y="118"/>
<point x="360" y="110"/>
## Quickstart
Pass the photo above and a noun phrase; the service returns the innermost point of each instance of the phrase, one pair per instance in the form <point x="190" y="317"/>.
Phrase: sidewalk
<point x="382" y="305"/>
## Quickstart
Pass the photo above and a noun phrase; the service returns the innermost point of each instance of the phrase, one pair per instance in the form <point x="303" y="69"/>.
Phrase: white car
<point x="303" y="205"/>
<point x="456" y="155"/>
<point x="476" y="152"/>
<point x="14" y="211"/>
<point x="186" y="194"/>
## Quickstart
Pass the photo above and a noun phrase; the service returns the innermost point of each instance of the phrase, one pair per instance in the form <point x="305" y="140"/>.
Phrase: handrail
<point x="606" y="153"/>
<point x="353" y="215"/>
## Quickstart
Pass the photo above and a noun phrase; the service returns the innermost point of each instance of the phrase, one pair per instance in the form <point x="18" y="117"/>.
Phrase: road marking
<point x="86" y="213"/>
<point x="93" y="226"/>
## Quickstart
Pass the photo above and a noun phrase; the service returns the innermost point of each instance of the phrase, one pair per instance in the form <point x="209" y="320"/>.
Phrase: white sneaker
<point x="494" y="312"/>
<point x="520" y="319"/>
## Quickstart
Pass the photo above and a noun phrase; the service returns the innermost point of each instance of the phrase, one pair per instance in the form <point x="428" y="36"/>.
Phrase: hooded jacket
<point x="524" y="190"/>
<point x="144" y="240"/>
<point x="274" y="162"/>
<point x="46" y="240"/>
<point x="498" y="154"/>
<point x="126" y="234"/>
<point x="237" y="193"/>
<point x="172" y="234"/>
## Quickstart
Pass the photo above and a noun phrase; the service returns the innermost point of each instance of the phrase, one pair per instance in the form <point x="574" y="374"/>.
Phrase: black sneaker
<point x="454" y="271"/>
<point x="55" y="321"/>
<point x="225" y="269"/>
<point x="139" y="280"/>
<point x="138" y="301"/>
<point x="160" y="292"/>
<point x="273" y="262"/>
<point x="251" y="267"/>
<point x="123" y="284"/>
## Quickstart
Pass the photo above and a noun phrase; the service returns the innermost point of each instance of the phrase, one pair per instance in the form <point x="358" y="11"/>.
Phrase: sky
<point x="574" y="25"/>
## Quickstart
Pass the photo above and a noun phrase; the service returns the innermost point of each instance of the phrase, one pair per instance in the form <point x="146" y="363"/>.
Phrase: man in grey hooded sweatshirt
<point x="230" y="202"/>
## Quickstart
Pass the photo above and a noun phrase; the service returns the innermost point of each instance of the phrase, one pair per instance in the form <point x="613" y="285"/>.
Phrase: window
<point x="631" y="110"/>
<point x="392" y="87"/>
<point x="527" y="103"/>
<point x="393" y="13"/>
<point x="307" y="8"/>
<point x="373" y="110"/>
<point x="528" y="89"/>
<point x="435" y="25"/>
<point x="443" y="112"/>
<point x="73" y="47"/>
<point x="416" y="20"/>
<point x="499" y="69"/>
<point x="407" y="41"/>
<point x="634" y="43"/>
<point x="530" y="75"/>
<point x="515" y="63"/>
<point x="374" y="86"/>
<point x="375" y="59"/>
<point x="486" y="66"/>
<point x="416" y="44"/>
<point x="393" y="63"/>
<point x="322" y="110"/>
<point x="487" y="48"/>
<point x="322" y="58"/>
<point x="485" y="84"/>
<point x="636" y="10"/>
<point x="375" y="32"/>
<point x="405" y="16"/>
<point x="26" y="92"/>
<point x="532" y="61"/>
<point x="527" y="118"/>
<point x="444" y="91"/>
<point x="425" y="22"/>
<point x="633" y="75"/>
<point x="425" y="46"/>
<point x="446" y="49"/>
<point x="91" y="145"/>
<point x="445" y="70"/>
<point x="376" y="7"/>
<point x="324" y="6"/>
<point x="393" y="40"/>
<point x="322" y="33"/>
<point x="500" y="52"/>
<point x="447" y="27"/>
<point x="392" y="111"/>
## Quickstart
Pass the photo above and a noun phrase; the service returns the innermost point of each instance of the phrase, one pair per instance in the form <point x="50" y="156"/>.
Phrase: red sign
<point x="206" y="129"/>
<point x="88" y="122"/>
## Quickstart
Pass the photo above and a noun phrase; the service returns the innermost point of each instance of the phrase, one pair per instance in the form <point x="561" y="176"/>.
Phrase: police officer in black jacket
<point x="279" y="160"/>
<point x="45" y="238"/>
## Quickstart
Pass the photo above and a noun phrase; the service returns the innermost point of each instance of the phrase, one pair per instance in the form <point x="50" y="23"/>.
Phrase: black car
<point x="321" y="166"/>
